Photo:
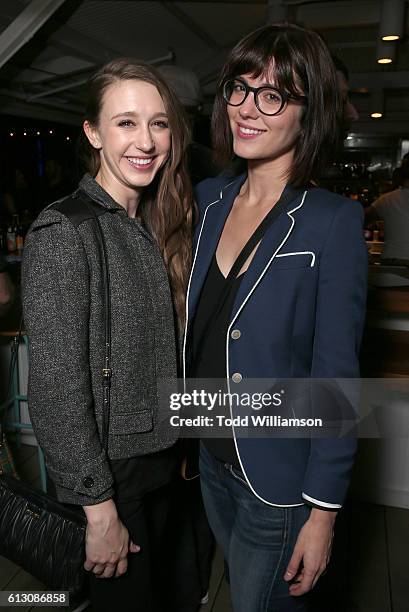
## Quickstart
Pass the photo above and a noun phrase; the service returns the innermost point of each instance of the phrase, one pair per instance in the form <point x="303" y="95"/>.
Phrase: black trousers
<point x="191" y="545"/>
<point x="143" y="491"/>
<point x="141" y="589"/>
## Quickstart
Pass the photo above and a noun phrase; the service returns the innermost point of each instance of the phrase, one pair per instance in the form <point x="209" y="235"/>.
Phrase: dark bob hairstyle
<point x="297" y="61"/>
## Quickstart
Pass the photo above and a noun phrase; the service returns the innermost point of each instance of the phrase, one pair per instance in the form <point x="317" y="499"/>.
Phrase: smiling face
<point x="263" y="138"/>
<point x="132" y="136"/>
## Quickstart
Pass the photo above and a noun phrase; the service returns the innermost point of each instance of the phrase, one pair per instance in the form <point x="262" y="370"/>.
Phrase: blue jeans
<point x="257" y="540"/>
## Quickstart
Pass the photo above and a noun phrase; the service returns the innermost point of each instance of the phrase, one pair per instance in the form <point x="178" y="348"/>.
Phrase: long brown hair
<point x="166" y="207"/>
<point x="300" y="59"/>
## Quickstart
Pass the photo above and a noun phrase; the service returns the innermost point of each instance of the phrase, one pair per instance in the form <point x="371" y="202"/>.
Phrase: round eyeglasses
<point x="269" y="100"/>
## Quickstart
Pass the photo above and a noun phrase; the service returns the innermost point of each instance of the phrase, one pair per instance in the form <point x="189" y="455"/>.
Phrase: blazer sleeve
<point x="56" y="304"/>
<point x="340" y="317"/>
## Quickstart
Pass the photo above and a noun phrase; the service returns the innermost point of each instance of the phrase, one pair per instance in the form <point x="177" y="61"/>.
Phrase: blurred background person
<point x="6" y="287"/>
<point x="393" y="209"/>
<point x="349" y="114"/>
<point x="56" y="184"/>
<point x="17" y="195"/>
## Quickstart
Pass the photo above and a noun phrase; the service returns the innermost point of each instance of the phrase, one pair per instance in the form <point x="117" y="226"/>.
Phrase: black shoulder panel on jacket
<point x="79" y="207"/>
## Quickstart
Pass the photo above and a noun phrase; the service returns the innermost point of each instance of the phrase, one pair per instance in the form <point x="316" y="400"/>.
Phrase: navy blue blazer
<point x="300" y="312"/>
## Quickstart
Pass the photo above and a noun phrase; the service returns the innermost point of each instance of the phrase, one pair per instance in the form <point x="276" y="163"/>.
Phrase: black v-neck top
<point x="209" y="346"/>
<point x="213" y="315"/>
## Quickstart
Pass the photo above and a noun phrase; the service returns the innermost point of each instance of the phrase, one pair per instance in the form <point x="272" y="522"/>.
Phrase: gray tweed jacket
<point x="63" y="313"/>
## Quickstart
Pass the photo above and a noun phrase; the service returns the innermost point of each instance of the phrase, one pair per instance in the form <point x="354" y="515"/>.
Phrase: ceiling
<point x="48" y="48"/>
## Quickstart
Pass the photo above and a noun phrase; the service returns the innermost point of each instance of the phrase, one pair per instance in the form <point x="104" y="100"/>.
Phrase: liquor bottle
<point x="19" y="240"/>
<point x="11" y="239"/>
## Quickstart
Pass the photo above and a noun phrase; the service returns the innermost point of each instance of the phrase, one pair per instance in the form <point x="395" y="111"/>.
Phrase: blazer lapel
<point x="210" y="230"/>
<point x="272" y="242"/>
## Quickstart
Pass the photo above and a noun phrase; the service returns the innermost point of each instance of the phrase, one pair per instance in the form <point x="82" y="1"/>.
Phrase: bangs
<point x="271" y="57"/>
<point x="296" y="61"/>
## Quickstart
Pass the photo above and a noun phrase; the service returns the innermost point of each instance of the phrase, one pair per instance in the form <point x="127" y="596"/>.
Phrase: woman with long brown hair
<point x="137" y="203"/>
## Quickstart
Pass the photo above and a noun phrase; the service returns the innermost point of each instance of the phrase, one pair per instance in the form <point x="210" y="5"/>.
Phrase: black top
<point x="209" y="346"/>
<point x="212" y="318"/>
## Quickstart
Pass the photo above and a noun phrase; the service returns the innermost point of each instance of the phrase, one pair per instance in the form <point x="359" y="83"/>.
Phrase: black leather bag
<point x="44" y="537"/>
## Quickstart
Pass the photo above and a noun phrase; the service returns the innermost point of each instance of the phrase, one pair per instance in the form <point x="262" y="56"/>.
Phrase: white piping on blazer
<point x="275" y="254"/>
<point x="246" y="299"/>
<point x="190" y="281"/>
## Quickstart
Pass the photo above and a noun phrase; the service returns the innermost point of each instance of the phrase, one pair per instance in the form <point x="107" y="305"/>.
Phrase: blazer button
<point x="237" y="377"/>
<point x="88" y="482"/>
<point x="236" y="333"/>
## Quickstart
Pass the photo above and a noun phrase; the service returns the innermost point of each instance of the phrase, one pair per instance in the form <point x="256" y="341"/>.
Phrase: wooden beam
<point x="191" y="25"/>
<point x="25" y="26"/>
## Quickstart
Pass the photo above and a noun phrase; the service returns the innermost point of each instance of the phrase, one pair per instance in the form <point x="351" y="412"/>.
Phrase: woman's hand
<point x="311" y="552"/>
<point x="107" y="541"/>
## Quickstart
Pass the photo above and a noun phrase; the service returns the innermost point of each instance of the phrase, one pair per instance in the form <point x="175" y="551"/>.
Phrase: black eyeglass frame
<point x="285" y="96"/>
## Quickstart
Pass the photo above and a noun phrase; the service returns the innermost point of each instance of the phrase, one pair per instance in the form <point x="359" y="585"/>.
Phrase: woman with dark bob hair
<point x="275" y="294"/>
<point x="136" y="205"/>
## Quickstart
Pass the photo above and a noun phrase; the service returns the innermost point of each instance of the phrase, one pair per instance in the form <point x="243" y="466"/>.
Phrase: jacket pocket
<point x="131" y="422"/>
<point x="304" y="259"/>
